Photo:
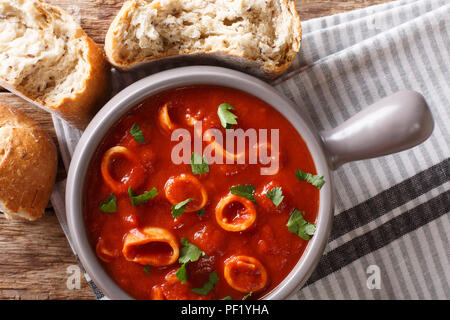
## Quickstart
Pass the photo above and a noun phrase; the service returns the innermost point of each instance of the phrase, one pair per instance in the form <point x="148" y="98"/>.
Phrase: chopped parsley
<point x="227" y="298"/>
<point x="316" y="180"/>
<point x="178" y="209"/>
<point x="201" y="212"/>
<point x="227" y="119"/>
<point x="208" y="286"/>
<point x="276" y="195"/>
<point x="143" y="198"/>
<point x="137" y="134"/>
<point x="298" y="225"/>
<point x="182" y="274"/>
<point x="248" y="295"/>
<point x="245" y="191"/>
<point x="109" y="205"/>
<point x="146" y="268"/>
<point x="189" y="252"/>
<point x="199" y="164"/>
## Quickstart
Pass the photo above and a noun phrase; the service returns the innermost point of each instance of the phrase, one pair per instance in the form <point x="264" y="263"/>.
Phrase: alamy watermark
<point x="73" y="281"/>
<point x="374" y="278"/>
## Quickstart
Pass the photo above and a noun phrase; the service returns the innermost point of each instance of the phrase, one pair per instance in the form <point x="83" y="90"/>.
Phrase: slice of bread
<point x="47" y="59"/>
<point x="28" y="164"/>
<point x="259" y="36"/>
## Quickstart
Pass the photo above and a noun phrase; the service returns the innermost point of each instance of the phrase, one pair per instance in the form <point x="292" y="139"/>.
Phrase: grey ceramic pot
<point x="395" y="123"/>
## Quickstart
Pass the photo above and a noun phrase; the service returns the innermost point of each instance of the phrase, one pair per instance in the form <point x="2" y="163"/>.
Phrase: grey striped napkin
<point x="391" y="213"/>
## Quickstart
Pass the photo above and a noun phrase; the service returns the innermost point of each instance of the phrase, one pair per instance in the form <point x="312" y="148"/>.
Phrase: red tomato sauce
<point x="267" y="240"/>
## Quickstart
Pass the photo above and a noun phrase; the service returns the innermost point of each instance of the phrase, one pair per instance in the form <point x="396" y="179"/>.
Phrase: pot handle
<point x="395" y="123"/>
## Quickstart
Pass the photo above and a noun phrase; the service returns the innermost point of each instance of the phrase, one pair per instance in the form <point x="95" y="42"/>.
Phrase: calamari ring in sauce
<point x="164" y="119"/>
<point x="235" y="213"/>
<point x="103" y="252"/>
<point x="186" y="186"/>
<point x="131" y="172"/>
<point x="152" y="246"/>
<point x="245" y="274"/>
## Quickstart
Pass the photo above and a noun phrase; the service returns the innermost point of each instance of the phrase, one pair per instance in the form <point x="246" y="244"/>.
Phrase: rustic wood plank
<point x="34" y="256"/>
<point x="34" y="261"/>
<point x="309" y="9"/>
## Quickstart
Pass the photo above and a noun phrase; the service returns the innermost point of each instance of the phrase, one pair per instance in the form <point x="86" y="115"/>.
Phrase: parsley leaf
<point x="227" y="119"/>
<point x="143" y="198"/>
<point x="248" y="295"/>
<point x="109" y="205"/>
<point x="199" y="164"/>
<point x="178" y="209"/>
<point x="208" y="286"/>
<point x="276" y="195"/>
<point x="201" y="212"/>
<point x="189" y="252"/>
<point x="245" y="191"/>
<point x="146" y="268"/>
<point x="316" y="180"/>
<point x="298" y="225"/>
<point x="227" y="298"/>
<point x="182" y="274"/>
<point x="137" y="133"/>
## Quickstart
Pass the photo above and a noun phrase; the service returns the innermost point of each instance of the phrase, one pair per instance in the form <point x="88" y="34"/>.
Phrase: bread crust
<point x="28" y="165"/>
<point x="79" y="108"/>
<point x="240" y="62"/>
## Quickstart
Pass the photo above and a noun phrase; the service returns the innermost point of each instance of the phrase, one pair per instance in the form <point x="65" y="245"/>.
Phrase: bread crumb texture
<point x="28" y="164"/>
<point x="48" y="59"/>
<point x="267" y="31"/>
<point x="40" y="51"/>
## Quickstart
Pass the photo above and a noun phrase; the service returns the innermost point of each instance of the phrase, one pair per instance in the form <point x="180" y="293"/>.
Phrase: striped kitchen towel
<point x="391" y="213"/>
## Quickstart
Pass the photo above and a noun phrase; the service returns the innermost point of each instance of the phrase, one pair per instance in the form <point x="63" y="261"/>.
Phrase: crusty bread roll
<point x="47" y="59"/>
<point x="259" y="36"/>
<point x="28" y="164"/>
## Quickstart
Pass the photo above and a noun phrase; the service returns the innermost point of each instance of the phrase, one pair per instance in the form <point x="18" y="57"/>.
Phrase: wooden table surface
<point x="35" y="257"/>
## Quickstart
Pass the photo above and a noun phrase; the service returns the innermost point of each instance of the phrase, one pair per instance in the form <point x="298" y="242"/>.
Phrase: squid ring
<point x="103" y="252"/>
<point x="164" y="119"/>
<point x="245" y="217"/>
<point x="115" y="185"/>
<point x="217" y="147"/>
<point x="171" y="189"/>
<point x="245" y="273"/>
<point x="152" y="246"/>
